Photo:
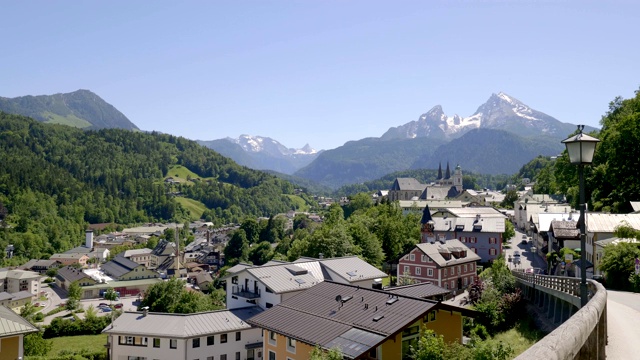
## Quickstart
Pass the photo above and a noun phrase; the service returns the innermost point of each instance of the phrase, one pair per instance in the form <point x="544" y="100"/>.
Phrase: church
<point x="447" y="186"/>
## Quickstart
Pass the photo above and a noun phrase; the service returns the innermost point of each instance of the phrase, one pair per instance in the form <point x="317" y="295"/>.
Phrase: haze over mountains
<point x="502" y="135"/>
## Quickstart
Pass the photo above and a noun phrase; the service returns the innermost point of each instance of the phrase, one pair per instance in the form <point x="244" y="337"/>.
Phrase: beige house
<point x="71" y="259"/>
<point x="139" y="256"/>
<point x="223" y="334"/>
<point x="121" y="268"/>
<point x="16" y="301"/>
<point x="13" y="328"/>
<point x="15" y="281"/>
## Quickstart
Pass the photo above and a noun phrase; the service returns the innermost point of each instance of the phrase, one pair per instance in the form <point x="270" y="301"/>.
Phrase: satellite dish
<point x="338" y="298"/>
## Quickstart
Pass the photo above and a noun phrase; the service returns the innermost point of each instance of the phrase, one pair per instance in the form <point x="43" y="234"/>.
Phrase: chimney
<point x="145" y="311"/>
<point x="88" y="239"/>
<point x="320" y="256"/>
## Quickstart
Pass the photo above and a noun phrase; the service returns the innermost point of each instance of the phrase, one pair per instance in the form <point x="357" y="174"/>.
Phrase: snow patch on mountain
<point x="255" y="144"/>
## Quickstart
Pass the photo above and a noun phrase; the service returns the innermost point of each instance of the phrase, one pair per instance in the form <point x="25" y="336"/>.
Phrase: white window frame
<point x="406" y="269"/>
<point x="418" y="270"/>
<point x="412" y="257"/>
<point x="429" y="272"/>
<point x="423" y="258"/>
<point x="273" y="338"/>
<point x="291" y="345"/>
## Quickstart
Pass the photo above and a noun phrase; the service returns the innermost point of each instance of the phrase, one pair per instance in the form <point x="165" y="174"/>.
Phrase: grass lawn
<point x="180" y="173"/>
<point x="195" y="208"/>
<point x="301" y="205"/>
<point x="77" y="343"/>
<point x="521" y="337"/>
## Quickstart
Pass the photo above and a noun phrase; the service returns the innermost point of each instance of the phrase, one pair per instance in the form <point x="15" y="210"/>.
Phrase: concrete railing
<point x="584" y="334"/>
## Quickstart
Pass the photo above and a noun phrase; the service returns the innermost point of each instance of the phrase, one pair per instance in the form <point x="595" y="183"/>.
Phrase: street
<point x="623" y="315"/>
<point x="528" y="259"/>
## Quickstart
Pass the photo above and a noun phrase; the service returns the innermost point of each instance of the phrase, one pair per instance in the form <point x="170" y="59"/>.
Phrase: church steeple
<point x="447" y="174"/>
<point x="439" y="171"/>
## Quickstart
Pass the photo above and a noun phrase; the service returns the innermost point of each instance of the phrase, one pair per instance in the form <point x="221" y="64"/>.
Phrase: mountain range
<point x="502" y="135"/>
<point x="82" y="109"/>
<point x="263" y="153"/>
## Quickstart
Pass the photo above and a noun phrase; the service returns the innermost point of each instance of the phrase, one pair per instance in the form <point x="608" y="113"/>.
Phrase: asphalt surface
<point x="623" y="325"/>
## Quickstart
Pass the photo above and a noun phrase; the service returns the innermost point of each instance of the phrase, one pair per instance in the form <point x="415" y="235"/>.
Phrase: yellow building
<point x="13" y="328"/>
<point x="362" y="323"/>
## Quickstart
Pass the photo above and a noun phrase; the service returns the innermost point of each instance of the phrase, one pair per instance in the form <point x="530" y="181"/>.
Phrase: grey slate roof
<point x="422" y="290"/>
<point x="119" y="266"/>
<point x="484" y="211"/>
<point x="183" y="325"/>
<point x="433" y="251"/>
<point x="34" y="262"/>
<point x="13" y="324"/>
<point x="407" y="184"/>
<point x="136" y="252"/>
<point x="565" y="229"/>
<point x="315" y="316"/>
<point x="352" y="268"/>
<point x="71" y="274"/>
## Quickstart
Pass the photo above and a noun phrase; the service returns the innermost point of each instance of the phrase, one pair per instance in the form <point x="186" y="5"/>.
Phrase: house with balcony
<point x="276" y="281"/>
<point x="219" y="335"/>
<point x="362" y="323"/>
<point x="15" y="281"/>
<point x="12" y="332"/>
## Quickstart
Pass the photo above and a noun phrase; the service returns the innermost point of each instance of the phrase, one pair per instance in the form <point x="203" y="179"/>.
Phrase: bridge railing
<point x="583" y="335"/>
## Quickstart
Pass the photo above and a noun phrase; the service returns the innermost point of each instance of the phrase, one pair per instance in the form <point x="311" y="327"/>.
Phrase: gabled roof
<point x="352" y="318"/>
<point x="465" y="224"/>
<point x="33" y="263"/>
<point x="307" y="272"/>
<point x="72" y="274"/>
<point x="607" y="223"/>
<point x="119" y="266"/>
<point x="13" y="324"/>
<point x="453" y="245"/>
<point x="407" y="184"/>
<point x="15" y="296"/>
<point x="484" y="211"/>
<point x="136" y="252"/>
<point x="566" y="229"/>
<point x="421" y="290"/>
<point x="182" y="325"/>
<point x="436" y="192"/>
<point x="75" y="256"/>
<point x="22" y="274"/>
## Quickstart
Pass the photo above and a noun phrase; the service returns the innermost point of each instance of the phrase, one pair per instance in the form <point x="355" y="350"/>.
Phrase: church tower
<point x="457" y="178"/>
<point x="427" y="226"/>
<point x="439" y="171"/>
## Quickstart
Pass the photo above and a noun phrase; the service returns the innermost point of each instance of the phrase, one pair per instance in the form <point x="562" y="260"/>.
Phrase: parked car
<point x="103" y="305"/>
<point x="516" y="253"/>
<point x="105" y="309"/>
<point x="600" y="279"/>
<point x="118" y="306"/>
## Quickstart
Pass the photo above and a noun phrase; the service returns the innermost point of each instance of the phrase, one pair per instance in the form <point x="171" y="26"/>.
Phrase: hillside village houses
<point x="18" y="287"/>
<point x="13" y="329"/>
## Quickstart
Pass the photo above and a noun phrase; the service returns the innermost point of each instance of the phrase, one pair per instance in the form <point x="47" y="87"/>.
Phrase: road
<point x="623" y="319"/>
<point x="528" y="259"/>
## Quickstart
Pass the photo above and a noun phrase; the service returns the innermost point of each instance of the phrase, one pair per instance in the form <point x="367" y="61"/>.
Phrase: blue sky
<point x="320" y="72"/>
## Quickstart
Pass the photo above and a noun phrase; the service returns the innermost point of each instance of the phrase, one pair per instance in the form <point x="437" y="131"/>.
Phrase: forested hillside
<point x="55" y="179"/>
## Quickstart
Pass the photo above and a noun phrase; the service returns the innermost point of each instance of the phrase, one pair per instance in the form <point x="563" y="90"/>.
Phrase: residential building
<point x="530" y="203"/>
<point x="71" y="259"/>
<point x="362" y="323"/>
<point x="16" y="301"/>
<point x="40" y="266"/>
<point x="422" y="290"/>
<point x="139" y="256"/>
<point x="218" y="335"/>
<point x="480" y="229"/>
<point x="600" y="226"/>
<point x="562" y="233"/>
<point x="601" y="244"/>
<point x="15" y="281"/>
<point x="121" y="268"/>
<point x="540" y="226"/>
<point x="446" y="263"/>
<point x="13" y="328"/>
<point x="274" y="282"/>
<point x="68" y="275"/>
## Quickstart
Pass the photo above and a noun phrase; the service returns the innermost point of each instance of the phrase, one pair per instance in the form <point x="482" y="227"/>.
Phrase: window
<point x="493" y="251"/>
<point x="418" y="270"/>
<point x="429" y="259"/>
<point x="446" y="285"/>
<point x="156" y="342"/>
<point x="210" y="340"/>
<point x="238" y="336"/>
<point x="429" y="272"/>
<point x="423" y="258"/>
<point x="445" y="272"/>
<point x="210" y="358"/>
<point x="463" y="239"/>
<point x="453" y="284"/>
<point x="223" y="357"/>
<point x="234" y="280"/>
<point x="412" y="257"/>
<point x="269" y="305"/>
<point x="291" y="345"/>
<point x="464" y="268"/>
<point x="195" y="343"/>
<point x="272" y="355"/>
<point x="223" y="338"/>
<point x="459" y="269"/>
<point x="465" y="282"/>
<point x="272" y="339"/>
<point x="173" y="344"/>
<point x="267" y="289"/>
<point x="431" y="316"/>
<point x="237" y="355"/>
<point x="406" y="270"/>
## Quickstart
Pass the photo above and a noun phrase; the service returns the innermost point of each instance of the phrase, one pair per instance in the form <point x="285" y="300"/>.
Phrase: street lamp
<point x="581" y="148"/>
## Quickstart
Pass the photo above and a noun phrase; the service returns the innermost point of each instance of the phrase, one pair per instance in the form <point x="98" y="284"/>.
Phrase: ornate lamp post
<point x="581" y="148"/>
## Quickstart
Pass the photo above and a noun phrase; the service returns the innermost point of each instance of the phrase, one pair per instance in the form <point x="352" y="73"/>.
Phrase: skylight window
<point x="300" y="281"/>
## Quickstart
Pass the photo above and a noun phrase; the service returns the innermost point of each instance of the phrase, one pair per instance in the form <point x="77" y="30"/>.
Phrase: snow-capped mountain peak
<point x="256" y="144"/>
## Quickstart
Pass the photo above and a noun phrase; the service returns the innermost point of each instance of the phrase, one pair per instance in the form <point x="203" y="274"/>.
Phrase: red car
<point x="118" y="306"/>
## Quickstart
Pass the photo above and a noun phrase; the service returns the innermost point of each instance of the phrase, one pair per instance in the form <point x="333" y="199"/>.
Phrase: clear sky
<point x="321" y="72"/>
